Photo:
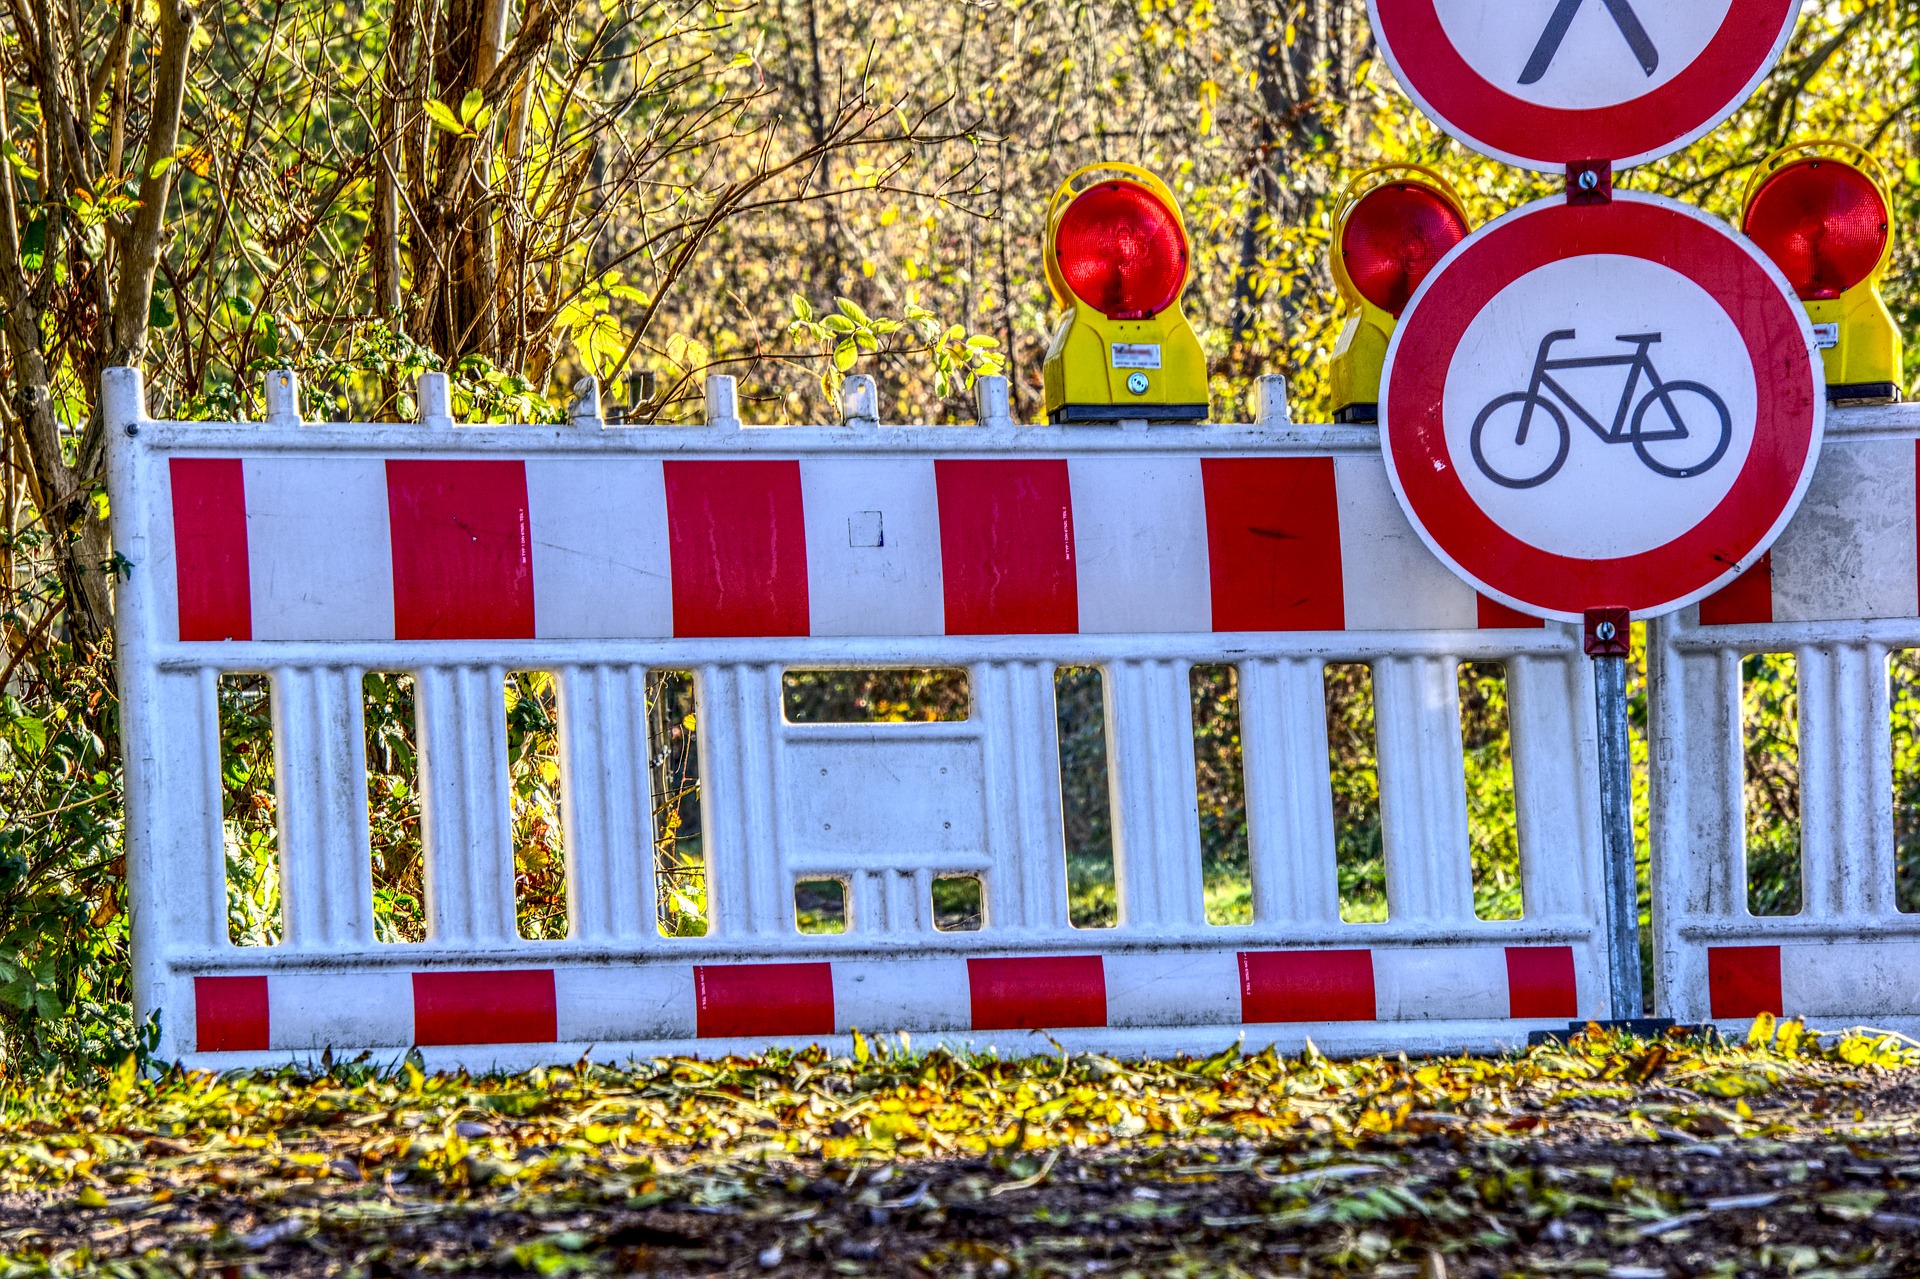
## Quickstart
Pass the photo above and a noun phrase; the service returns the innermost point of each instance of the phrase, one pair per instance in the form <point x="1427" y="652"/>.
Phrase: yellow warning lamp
<point x="1821" y="211"/>
<point x="1117" y="262"/>
<point x="1395" y="223"/>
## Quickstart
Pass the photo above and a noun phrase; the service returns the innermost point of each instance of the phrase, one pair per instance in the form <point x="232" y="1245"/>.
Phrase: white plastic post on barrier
<point x="584" y="410"/>
<point x="436" y="402"/>
<point x="723" y="402"/>
<point x="283" y="398"/>
<point x="314" y="555"/>
<point x="1841" y="593"/>
<point x="1272" y="410"/>
<point x="993" y="401"/>
<point x="859" y="401"/>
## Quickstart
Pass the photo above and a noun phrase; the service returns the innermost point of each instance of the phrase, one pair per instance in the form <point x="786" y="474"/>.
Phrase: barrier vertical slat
<point x="187" y="857"/>
<point x="1846" y="782"/>
<point x="1695" y="792"/>
<point x="465" y="815"/>
<point x="606" y="803"/>
<point x="888" y="901"/>
<point x="1284" y="759"/>
<point x="748" y="890"/>
<point x="1553" y="800"/>
<point x="1156" y="820"/>
<point x="1027" y="887"/>
<point x="320" y="778"/>
<point x="1423" y="789"/>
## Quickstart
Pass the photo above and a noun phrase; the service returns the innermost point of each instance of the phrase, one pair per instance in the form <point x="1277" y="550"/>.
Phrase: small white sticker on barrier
<point x="1826" y="335"/>
<point x="1136" y="355"/>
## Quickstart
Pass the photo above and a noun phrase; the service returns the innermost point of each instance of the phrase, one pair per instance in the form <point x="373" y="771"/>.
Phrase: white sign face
<point x="1581" y="57"/>
<point x="1548" y="83"/>
<point x="1600" y="381"/>
<point x="1601" y="406"/>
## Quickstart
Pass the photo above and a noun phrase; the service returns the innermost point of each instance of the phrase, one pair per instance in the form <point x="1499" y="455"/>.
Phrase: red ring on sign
<point x="1513" y="129"/>
<point x="1413" y="435"/>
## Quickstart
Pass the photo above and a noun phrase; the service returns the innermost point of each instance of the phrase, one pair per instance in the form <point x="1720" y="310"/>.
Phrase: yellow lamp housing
<point x="1118" y="262"/>
<point x="1394" y="224"/>
<point x="1822" y="212"/>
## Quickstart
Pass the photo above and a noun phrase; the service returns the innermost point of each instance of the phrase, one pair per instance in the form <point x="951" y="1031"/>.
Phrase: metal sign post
<point x="1608" y="637"/>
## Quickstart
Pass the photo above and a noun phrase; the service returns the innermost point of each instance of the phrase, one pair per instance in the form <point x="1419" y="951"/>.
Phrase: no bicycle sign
<point x="1605" y="405"/>
<point x="1546" y="83"/>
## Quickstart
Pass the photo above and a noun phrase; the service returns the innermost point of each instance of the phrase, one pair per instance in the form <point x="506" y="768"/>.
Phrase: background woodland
<point x="522" y="192"/>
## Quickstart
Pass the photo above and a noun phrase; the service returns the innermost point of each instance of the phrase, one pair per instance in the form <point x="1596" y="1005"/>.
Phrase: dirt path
<point x="1614" y="1159"/>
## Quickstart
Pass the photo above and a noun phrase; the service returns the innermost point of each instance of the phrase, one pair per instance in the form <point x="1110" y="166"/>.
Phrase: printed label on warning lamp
<point x="1826" y="335"/>
<point x="1136" y="355"/>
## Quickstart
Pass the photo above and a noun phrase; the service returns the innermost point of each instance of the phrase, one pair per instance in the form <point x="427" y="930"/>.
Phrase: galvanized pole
<point x="1607" y="637"/>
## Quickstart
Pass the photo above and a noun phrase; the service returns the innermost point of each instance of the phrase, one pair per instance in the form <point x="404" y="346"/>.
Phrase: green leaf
<point x="852" y="311"/>
<point x="802" y="309"/>
<point x="18" y="161"/>
<point x="844" y="355"/>
<point x="470" y="106"/>
<point x="837" y="324"/>
<point x="160" y="166"/>
<point x="442" y="115"/>
<point x="33" y="244"/>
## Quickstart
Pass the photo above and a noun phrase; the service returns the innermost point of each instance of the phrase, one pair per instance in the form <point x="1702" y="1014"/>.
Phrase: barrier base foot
<point x="1638" y="1027"/>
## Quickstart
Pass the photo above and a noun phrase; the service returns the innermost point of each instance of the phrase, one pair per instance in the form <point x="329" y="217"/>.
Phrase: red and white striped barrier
<point x="1841" y="592"/>
<point x="295" y="547"/>
<point x="316" y="553"/>
<point x="646" y="1008"/>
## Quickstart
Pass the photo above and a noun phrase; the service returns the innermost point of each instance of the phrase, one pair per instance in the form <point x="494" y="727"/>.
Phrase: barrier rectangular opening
<point x="1903" y="700"/>
<point x="1220" y="782"/>
<point x="1353" y="767"/>
<point x="1486" y="744"/>
<point x="959" y="903"/>
<point x="1086" y="797"/>
<point x="820" y="905"/>
<point x="1770" y="715"/>
<point x="248" y="810"/>
<point x="887" y="695"/>
<point x="673" y="761"/>
<point x="533" y="767"/>
<point x="387" y="710"/>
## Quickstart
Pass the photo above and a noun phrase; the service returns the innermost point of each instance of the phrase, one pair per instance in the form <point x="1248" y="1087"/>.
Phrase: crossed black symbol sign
<point x="1623" y="17"/>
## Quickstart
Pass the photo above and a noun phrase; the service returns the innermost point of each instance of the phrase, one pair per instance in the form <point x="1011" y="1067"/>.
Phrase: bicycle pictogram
<point x="1681" y="440"/>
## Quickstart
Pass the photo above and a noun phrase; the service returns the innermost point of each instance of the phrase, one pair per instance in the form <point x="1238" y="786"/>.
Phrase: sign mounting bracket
<point x="1590" y="182"/>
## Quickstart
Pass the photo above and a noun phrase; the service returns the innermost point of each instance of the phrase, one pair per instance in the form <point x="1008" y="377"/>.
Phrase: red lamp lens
<point x="1394" y="236"/>
<point x="1823" y="223"/>
<point x="1121" y="251"/>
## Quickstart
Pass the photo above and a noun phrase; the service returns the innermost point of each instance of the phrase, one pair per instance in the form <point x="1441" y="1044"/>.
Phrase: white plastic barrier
<point x="1840" y="591"/>
<point x="316" y="553"/>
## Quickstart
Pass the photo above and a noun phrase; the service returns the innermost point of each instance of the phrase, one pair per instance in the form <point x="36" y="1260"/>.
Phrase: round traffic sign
<point x="1545" y="83"/>
<point x="1601" y="406"/>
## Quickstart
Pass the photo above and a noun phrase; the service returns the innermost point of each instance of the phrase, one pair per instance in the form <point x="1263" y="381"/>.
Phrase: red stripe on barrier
<point x="511" y="1006"/>
<point x="462" y="550"/>
<point x="738" y="538"/>
<point x="1743" y="981"/>
<point x="1041" y="993"/>
<point x="210" y="568"/>
<point x="763" y="999"/>
<point x="1495" y="616"/>
<point x="1747" y="598"/>
<point x="230" y="1014"/>
<point x="1006" y="547"/>
<point x="1306" y="985"/>
<point x="1541" y="982"/>
<point x="1273" y="544"/>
